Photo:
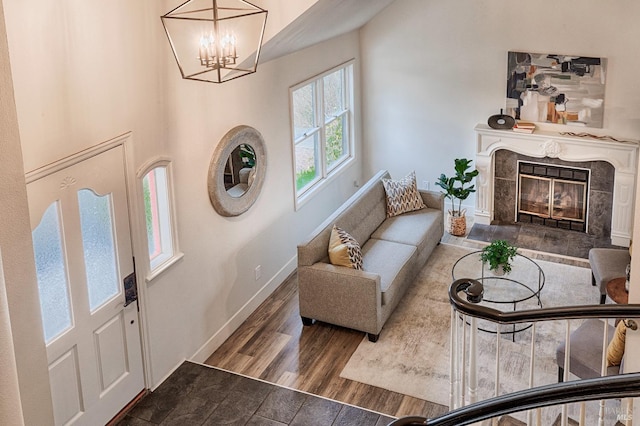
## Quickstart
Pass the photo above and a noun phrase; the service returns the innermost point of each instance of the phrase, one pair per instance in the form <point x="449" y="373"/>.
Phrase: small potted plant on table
<point x="499" y="255"/>
<point x="455" y="189"/>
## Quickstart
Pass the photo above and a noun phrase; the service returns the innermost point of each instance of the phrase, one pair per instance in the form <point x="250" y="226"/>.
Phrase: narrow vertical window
<point x="158" y="212"/>
<point x="321" y="116"/>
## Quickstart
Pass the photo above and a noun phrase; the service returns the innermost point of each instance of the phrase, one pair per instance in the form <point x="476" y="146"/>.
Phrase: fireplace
<point x="610" y="187"/>
<point x="552" y="195"/>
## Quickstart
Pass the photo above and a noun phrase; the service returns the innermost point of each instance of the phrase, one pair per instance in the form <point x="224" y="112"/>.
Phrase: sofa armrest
<point x="433" y="199"/>
<point x="340" y="295"/>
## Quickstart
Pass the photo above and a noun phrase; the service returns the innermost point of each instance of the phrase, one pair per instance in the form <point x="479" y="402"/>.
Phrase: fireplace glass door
<point x="552" y="195"/>
<point x="569" y="200"/>
<point x="534" y="195"/>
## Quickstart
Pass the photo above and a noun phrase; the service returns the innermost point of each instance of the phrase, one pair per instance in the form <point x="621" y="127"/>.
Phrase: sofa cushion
<point x="344" y="250"/>
<point x="416" y="228"/>
<point x="392" y="261"/>
<point x="363" y="217"/>
<point x="402" y="195"/>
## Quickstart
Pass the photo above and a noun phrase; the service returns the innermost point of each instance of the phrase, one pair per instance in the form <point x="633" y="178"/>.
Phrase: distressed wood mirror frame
<point x="222" y="201"/>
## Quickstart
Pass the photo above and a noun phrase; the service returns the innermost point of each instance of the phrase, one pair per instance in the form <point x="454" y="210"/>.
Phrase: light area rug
<point x="412" y="355"/>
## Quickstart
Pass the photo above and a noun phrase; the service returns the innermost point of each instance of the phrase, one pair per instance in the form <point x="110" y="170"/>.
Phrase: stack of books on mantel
<point x="524" y="127"/>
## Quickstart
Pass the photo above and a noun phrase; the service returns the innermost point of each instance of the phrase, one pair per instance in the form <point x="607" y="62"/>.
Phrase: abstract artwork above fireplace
<point x="551" y="88"/>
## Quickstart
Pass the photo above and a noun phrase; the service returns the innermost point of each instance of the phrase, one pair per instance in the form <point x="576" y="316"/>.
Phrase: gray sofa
<point x="394" y="250"/>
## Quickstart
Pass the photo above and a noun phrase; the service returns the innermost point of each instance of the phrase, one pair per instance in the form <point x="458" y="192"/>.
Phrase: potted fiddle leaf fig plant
<point x="499" y="255"/>
<point x="458" y="187"/>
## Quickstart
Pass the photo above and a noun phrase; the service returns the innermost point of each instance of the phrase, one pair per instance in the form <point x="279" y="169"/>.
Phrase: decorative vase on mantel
<point x="457" y="223"/>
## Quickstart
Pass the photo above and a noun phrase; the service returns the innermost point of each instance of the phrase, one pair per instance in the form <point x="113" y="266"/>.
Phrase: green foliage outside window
<point x="335" y="147"/>
<point x="148" y="213"/>
<point x="303" y="178"/>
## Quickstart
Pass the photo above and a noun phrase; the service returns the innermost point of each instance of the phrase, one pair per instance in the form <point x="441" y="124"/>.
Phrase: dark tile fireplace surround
<point x="544" y="238"/>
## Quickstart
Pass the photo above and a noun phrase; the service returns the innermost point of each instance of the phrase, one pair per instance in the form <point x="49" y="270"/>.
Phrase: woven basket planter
<point x="457" y="224"/>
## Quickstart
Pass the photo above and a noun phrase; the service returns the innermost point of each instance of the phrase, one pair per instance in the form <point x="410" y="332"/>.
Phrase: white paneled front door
<point x="82" y="244"/>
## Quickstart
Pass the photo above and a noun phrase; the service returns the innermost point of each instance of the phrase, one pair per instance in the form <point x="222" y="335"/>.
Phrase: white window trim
<point x="334" y="172"/>
<point x="165" y="162"/>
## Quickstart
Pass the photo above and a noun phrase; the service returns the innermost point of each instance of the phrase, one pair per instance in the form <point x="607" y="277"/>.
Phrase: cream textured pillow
<point x="402" y="195"/>
<point x="344" y="250"/>
<point x="615" y="350"/>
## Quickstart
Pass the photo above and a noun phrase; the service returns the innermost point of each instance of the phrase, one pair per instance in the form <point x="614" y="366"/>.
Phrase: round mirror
<point x="237" y="171"/>
<point x="240" y="170"/>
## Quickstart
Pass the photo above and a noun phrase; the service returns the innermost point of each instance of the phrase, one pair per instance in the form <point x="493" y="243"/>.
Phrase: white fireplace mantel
<point x="622" y="155"/>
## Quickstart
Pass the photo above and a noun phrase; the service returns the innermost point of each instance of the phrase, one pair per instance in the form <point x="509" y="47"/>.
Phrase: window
<point x="159" y="216"/>
<point x="322" y="116"/>
<point x="53" y="284"/>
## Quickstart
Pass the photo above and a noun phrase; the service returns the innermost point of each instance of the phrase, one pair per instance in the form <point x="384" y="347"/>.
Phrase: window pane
<point x="336" y="147"/>
<point x="303" y="110"/>
<point x="151" y="213"/>
<point x="321" y="109"/>
<point x="99" y="247"/>
<point x="333" y="94"/>
<point x="157" y="216"/>
<point x="52" y="277"/>
<point x="307" y="168"/>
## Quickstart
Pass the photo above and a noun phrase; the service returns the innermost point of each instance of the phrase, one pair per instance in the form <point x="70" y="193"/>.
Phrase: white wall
<point x="281" y="13"/>
<point x="87" y="71"/>
<point x="194" y="300"/>
<point x="24" y="383"/>
<point x="434" y="69"/>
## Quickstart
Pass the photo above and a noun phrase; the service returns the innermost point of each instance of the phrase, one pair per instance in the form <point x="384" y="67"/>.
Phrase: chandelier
<point x="215" y="40"/>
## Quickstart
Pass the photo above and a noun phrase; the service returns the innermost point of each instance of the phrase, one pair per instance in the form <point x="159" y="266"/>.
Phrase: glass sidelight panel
<point x="99" y="247"/>
<point x="53" y="284"/>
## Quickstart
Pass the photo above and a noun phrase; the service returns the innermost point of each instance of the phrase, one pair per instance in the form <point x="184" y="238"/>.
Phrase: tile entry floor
<point x="197" y="394"/>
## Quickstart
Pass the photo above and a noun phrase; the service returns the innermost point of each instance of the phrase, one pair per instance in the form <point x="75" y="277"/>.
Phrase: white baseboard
<point x="243" y="313"/>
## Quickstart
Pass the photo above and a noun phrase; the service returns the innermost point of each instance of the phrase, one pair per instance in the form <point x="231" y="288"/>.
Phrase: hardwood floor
<point x="273" y="345"/>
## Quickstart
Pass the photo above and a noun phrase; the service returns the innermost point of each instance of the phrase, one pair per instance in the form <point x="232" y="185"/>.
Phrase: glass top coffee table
<point x="518" y="290"/>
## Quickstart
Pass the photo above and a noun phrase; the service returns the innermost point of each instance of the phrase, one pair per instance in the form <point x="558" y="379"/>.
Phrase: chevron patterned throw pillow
<point x="344" y="250"/>
<point x="402" y="195"/>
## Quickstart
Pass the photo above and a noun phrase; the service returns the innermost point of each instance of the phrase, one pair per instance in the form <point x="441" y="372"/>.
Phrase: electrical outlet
<point x="356" y="184"/>
<point x="258" y="272"/>
<point x="426" y="184"/>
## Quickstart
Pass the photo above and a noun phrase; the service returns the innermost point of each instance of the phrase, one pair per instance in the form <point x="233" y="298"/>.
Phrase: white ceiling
<point x="324" y="20"/>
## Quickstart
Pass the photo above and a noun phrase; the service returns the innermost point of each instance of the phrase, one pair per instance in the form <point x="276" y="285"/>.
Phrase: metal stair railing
<point x="620" y="386"/>
<point x="464" y="296"/>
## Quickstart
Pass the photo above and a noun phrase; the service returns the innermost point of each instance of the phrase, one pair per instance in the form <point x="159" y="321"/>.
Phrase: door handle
<point x="130" y="289"/>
